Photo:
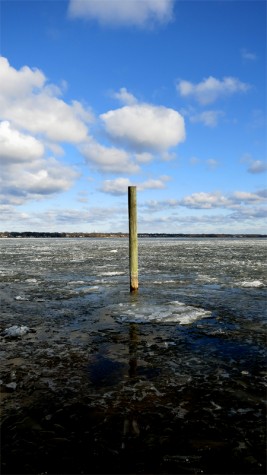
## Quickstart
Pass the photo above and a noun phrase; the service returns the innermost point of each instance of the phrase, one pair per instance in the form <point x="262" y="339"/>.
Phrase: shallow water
<point x="171" y="379"/>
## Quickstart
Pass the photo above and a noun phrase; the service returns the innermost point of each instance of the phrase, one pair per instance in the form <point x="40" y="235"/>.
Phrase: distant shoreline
<point x="32" y="234"/>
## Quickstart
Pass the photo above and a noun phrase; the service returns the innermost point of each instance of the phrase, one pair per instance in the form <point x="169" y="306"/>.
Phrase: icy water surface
<point x="171" y="379"/>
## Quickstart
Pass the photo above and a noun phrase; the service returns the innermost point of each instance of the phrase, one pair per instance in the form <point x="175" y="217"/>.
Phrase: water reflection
<point x="133" y="343"/>
<point x="130" y="425"/>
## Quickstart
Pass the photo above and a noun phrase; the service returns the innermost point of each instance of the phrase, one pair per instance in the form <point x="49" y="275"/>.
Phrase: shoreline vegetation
<point x="44" y="234"/>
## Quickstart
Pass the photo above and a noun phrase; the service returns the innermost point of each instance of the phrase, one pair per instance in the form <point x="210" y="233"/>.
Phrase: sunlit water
<point x="191" y="342"/>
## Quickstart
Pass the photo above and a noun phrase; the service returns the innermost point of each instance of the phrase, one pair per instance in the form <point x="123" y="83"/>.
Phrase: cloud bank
<point x="33" y="121"/>
<point x="36" y="122"/>
<point x="213" y="200"/>
<point x="30" y="103"/>
<point x="119" y="186"/>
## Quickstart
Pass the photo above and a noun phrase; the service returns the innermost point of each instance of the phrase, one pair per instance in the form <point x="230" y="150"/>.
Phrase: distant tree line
<point x="45" y="234"/>
<point x="35" y="234"/>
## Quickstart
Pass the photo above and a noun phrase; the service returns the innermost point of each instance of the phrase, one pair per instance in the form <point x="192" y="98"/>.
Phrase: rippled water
<point x="186" y="354"/>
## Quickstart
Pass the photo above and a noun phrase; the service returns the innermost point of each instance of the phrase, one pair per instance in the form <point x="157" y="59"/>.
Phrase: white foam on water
<point x="172" y="312"/>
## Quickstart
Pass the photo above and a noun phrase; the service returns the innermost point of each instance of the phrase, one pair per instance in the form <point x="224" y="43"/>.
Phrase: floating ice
<point x="172" y="312"/>
<point x="252" y="283"/>
<point x="87" y="290"/>
<point x="11" y="386"/>
<point x="112" y="273"/>
<point x="15" y="330"/>
<point x="160" y="282"/>
<point x="76" y="282"/>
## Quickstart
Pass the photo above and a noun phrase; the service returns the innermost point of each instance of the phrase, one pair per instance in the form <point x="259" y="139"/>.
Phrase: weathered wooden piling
<point x="133" y="242"/>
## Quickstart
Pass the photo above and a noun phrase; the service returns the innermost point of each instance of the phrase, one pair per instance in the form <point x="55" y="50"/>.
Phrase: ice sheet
<point x="172" y="312"/>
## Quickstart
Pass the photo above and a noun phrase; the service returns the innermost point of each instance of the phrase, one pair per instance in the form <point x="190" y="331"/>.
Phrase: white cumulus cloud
<point x="119" y="186"/>
<point x="154" y="184"/>
<point x="204" y="200"/>
<point x="211" y="88"/>
<point x="257" y="166"/>
<point x="140" y="13"/>
<point x="108" y="159"/>
<point x="145" y="127"/>
<point x="248" y="197"/>
<point x="37" y="179"/>
<point x="254" y="166"/>
<point x="16" y="146"/>
<point x="29" y="103"/>
<point x="35" y="121"/>
<point x="20" y="82"/>
<point x="144" y="157"/>
<point x="209" y="118"/>
<point x="116" y="187"/>
<point x="125" y="96"/>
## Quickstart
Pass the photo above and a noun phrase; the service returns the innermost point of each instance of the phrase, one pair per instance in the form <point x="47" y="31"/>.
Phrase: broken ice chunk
<point x="11" y="386"/>
<point x="16" y="330"/>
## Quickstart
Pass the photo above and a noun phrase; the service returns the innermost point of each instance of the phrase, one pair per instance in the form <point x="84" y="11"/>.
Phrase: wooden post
<point x="133" y="244"/>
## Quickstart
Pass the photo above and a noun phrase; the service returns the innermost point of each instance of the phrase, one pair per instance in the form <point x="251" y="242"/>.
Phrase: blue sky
<point x="98" y="95"/>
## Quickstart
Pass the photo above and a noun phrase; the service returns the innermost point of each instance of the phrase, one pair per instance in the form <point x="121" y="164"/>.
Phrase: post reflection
<point x="133" y="342"/>
<point x="131" y="430"/>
